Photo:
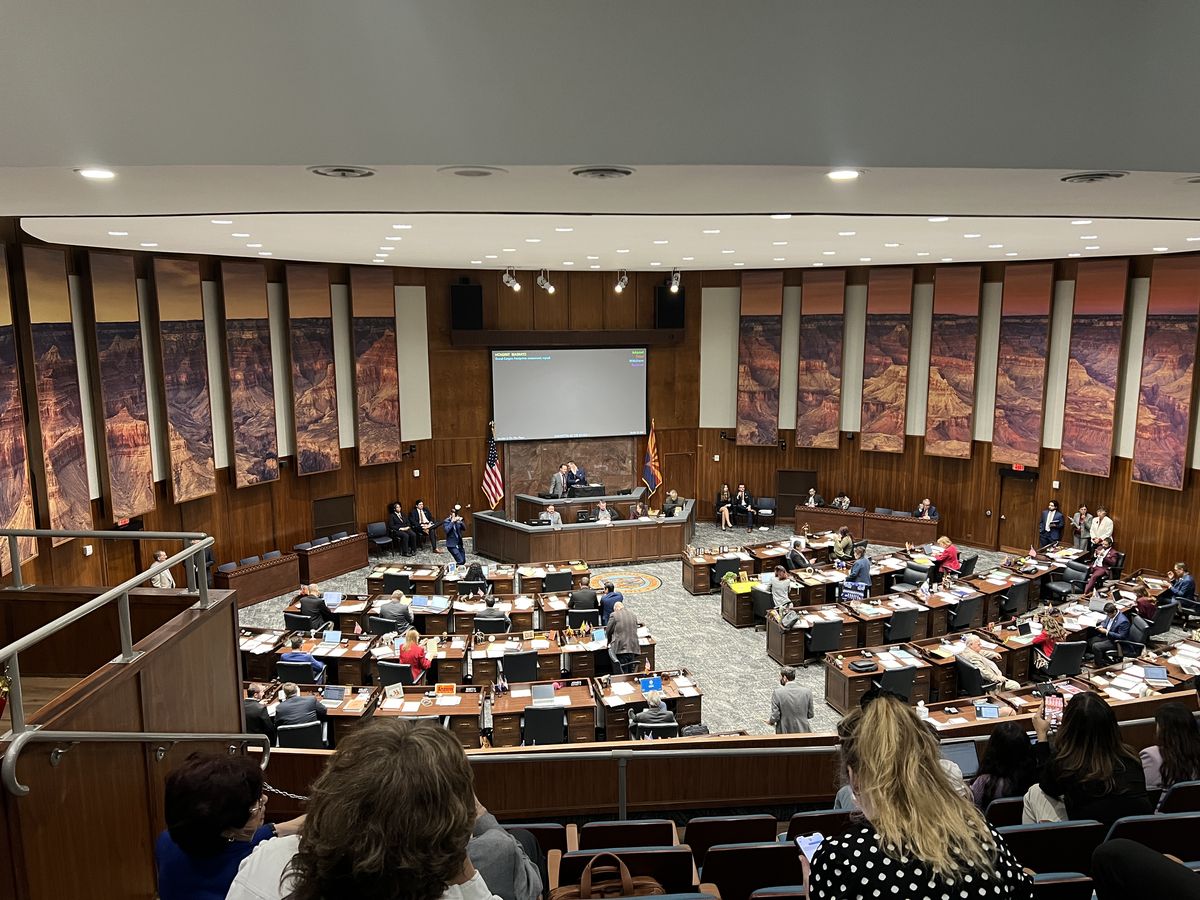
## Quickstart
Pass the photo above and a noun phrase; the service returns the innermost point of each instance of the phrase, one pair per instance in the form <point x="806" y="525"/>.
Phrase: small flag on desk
<point x="651" y="470"/>
<point x="493" y="481"/>
<point x="357" y="627"/>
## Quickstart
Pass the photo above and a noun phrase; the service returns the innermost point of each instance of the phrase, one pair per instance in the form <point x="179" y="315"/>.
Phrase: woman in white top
<point x="1102" y="526"/>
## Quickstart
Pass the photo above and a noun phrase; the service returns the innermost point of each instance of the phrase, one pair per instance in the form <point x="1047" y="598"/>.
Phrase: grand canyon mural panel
<point x="16" y="490"/>
<point x="185" y="378"/>
<point x="1021" y="364"/>
<point x="819" y="368"/>
<point x="314" y="390"/>
<point x="1094" y="367"/>
<point x="60" y="410"/>
<point x="885" y="359"/>
<point x="1168" y="362"/>
<point x="251" y="378"/>
<point x="953" y="341"/>
<point x="760" y="342"/>
<point x="376" y="375"/>
<point x="122" y="384"/>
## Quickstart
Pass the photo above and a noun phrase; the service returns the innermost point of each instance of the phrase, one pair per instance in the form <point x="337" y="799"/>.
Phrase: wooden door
<point x="679" y="474"/>
<point x="1018" y="510"/>
<point x="791" y="489"/>
<point x="455" y="485"/>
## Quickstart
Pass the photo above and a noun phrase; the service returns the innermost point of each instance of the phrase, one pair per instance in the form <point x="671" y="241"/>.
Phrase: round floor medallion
<point x="628" y="582"/>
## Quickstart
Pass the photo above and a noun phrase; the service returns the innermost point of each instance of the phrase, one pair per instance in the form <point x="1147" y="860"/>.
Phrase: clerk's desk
<point x="627" y="540"/>
<point x="528" y="506"/>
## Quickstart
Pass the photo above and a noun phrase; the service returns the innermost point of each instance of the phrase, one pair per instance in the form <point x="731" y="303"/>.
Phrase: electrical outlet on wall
<point x="716" y="457"/>
<point x="416" y="473"/>
<point x="87" y="549"/>
<point x="1054" y="484"/>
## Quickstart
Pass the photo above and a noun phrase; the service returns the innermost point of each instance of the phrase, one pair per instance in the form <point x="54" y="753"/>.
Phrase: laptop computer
<point x="1097" y="604"/>
<point x="542" y="694"/>
<point x="335" y="692"/>
<point x="331" y="637"/>
<point x="1155" y="673"/>
<point x="598" y="634"/>
<point x="987" y="711"/>
<point x="653" y="683"/>
<point x="419" y="601"/>
<point x="333" y="599"/>
<point x="1025" y="628"/>
<point x="964" y="755"/>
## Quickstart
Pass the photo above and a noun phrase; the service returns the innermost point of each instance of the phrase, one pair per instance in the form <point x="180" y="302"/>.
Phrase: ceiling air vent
<point x="1092" y="177"/>
<point x="1191" y="179"/>
<point x="342" y="171"/>
<point x="603" y="173"/>
<point x="472" y="171"/>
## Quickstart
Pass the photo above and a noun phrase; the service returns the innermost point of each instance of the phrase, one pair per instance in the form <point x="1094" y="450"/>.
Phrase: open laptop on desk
<point x="541" y="695"/>
<point x="964" y="755"/>
<point x="333" y="599"/>
<point x="330" y="639"/>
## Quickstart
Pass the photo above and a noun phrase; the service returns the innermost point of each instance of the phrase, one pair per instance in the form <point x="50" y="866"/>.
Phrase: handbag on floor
<point x="615" y="882"/>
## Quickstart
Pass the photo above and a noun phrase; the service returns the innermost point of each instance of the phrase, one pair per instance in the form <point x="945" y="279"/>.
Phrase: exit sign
<point x="1018" y="467"/>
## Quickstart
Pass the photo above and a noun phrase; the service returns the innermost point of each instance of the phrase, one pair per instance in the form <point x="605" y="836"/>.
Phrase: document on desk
<point x="518" y="693"/>
<point x="411" y="706"/>
<point x="682" y="681"/>
<point x="698" y="560"/>
<point x="450" y="700"/>
<point x="394" y="703"/>
<point x="622" y="688"/>
<point x="1118" y="695"/>
<point x="458" y="644"/>
<point x="688" y="692"/>
<point x="643" y="632"/>
<point x="331" y="704"/>
<point x="595" y="645"/>
<point x="538" y="644"/>
<point x="1135" y="671"/>
<point x="956" y="720"/>
<point x="523" y="602"/>
<point x="612" y="700"/>
<point x="336" y="652"/>
<point x="562" y="700"/>
<point x="495" y="652"/>
<point x="556" y="603"/>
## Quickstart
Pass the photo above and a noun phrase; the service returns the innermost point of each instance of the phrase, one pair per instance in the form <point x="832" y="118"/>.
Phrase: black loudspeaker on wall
<point x="668" y="308"/>
<point x="466" y="307"/>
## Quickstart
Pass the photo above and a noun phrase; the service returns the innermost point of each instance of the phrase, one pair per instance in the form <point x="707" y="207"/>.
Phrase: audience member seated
<point x="423" y="526"/>
<point x="743" y="506"/>
<point x="606" y="515"/>
<point x="841" y="501"/>
<point x="1047" y="639"/>
<point x="1102" y="564"/>
<point x="623" y="637"/>
<point x="348" y="849"/>
<point x="298" y="655"/>
<point x="399" y="610"/>
<point x="258" y="720"/>
<point x="724" y="507"/>
<point x="413" y="654"/>
<point x="813" y="499"/>
<point x="1175" y="755"/>
<point x="214" y="806"/>
<point x="920" y="838"/>
<point x="1008" y="767"/>
<point x="492" y="611"/>
<point x="925" y="510"/>
<point x="510" y="860"/>
<point x="791" y="705"/>
<point x="404" y="539"/>
<point x="1115" y="627"/>
<point x="298" y="709"/>
<point x="985" y="661"/>
<point x="1183" y="585"/>
<point x="1089" y="770"/>
<point x="312" y="604"/>
<point x="779" y="583"/>
<point x="655" y="713"/>
<point x="672" y="503"/>
<point x="1126" y="870"/>
<point x="609" y="601"/>
<point x="843" y="545"/>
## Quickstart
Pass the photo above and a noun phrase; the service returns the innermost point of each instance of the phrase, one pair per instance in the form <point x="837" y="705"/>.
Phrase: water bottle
<point x="922" y="712"/>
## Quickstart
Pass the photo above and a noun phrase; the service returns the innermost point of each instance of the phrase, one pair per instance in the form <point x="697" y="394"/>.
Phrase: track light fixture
<point x="543" y="281"/>
<point x="674" y="281"/>
<point x="622" y="281"/>
<point x="510" y="280"/>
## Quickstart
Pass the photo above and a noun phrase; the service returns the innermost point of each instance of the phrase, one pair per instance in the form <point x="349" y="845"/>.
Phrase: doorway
<point x="679" y="473"/>
<point x="1018" y="510"/>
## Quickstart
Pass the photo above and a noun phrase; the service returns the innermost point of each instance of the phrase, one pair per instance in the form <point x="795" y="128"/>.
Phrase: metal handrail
<point x="8" y="769"/>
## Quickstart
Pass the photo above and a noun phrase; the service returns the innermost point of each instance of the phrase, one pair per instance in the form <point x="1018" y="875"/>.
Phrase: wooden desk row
<point x="869" y="526"/>
<point x="501" y="578"/>
<point x="753" y="559"/>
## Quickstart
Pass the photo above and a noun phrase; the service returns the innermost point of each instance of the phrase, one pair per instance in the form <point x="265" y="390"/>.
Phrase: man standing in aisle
<point x="453" y="526"/>
<point x="623" y="637"/>
<point x="558" y="482"/>
<point x="791" y="705"/>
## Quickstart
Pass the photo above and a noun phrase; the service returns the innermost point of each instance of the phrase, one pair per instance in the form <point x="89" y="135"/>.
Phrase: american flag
<point x="493" y="481"/>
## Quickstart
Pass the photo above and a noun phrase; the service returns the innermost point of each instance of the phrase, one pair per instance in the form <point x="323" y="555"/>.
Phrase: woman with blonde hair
<point x="921" y="838"/>
<point x="413" y="654"/>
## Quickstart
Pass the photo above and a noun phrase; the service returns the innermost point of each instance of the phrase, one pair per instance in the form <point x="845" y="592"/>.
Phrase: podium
<point x="586" y="490"/>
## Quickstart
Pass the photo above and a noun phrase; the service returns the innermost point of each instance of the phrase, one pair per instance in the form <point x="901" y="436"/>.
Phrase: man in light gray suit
<point x="791" y="705"/>
<point x="558" y="483"/>
<point x="655" y="713"/>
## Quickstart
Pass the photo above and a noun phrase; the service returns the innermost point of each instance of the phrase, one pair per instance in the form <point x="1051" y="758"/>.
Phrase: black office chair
<point x="965" y="613"/>
<point x="1074" y="578"/>
<point x="584" y="598"/>
<point x="656" y="731"/>
<point x="967" y="563"/>
<point x="339" y="536"/>
<point x="860" y="544"/>
<point x="557" y="581"/>
<point x="380" y="625"/>
<point x="902" y="626"/>
<point x="378" y="536"/>
<point x="249" y="561"/>
<point x="882" y="511"/>
<point x="306" y="736"/>
<point x="899" y="681"/>
<point x="765" y="508"/>
<point x="1118" y="568"/>
<point x="718" y="570"/>
<point x="272" y="554"/>
<point x="583" y="515"/>
<point x="396" y="582"/>
<point x="303" y="545"/>
<point x="521" y="667"/>
<point x="914" y="574"/>
<point x="1164" y="617"/>
<point x="1135" y="642"/>
<point x="970" y="680"/>
<point x="298" y="672"/>
<point x="227" y="567"/>
<point x="576" y="617"/>
<point x="1066" y="660"/>
<point x="1015" y="601"/>
<point x="471" y="587"/>
<point x="491" y="626"/>
<point x="391" y="672"/>
<point x="544" y="725"/>
<point x="822" y="638"/>
<point x="300" y="622"/>
<point x="320" y="542"/>
<point x="902" y="513"/>
<point x="761" y="602"/>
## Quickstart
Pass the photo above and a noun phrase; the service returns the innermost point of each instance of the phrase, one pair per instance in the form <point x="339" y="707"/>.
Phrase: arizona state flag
<point x="651" y="470"/>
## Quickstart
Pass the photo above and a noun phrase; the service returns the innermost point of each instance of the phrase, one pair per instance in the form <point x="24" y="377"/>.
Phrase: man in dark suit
<point x="492" y="611"/>
<point x="1183" y="586"/>
<point x="814" y="499"/>
<point x="400" y="530"/>
<point x="558" y="482"/>
<point x="925" y="510"/>
<point x="1050" y="524"/>
<point x="575" y="475"/>
<point x="606" y="514"/>
<point x="424" y="526"/>
<point x="584" y="598"/>
<point x="398" y="610"/>
<point x="623" y="639"/>
<point x="258" y="721"/>
<point x="1102" y="564"/>
<point x="655" y="713"/>
<point x="295" y="709"/>
<point x="1115" y="627"/>
<point x="795" y="558"/>
<point x="453" y="526"/>
<point x="743" y="505"/>
<point x="672" y="503"/>
<point x="609" y="601"/>
<point x="860" y="571"/>
<point x="312" y="604"/>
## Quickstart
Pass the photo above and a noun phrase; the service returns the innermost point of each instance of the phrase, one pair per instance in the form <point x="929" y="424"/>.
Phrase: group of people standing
<point x="409" y="531"/>
<point x="1087" y="529"/>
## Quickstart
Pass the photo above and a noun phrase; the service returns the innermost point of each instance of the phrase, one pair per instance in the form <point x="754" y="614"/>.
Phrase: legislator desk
<point x="343" y="715"/>
<point x="422" y="579"/>
<point x="697" y="568"/>
<point x="1024" y="701"/>
<point x="574" y="697"/>
<point x="587" y="657"/>
<point x="993" y="585"/>
<point x="533" y="574"/>
<point x="262" y="580"/>
<point x="737" y="603"/>
<point x="1018" y="661"/>
<point x="787" y="646"/>
<point x="552" y="611"/>
<point x="874" y="614"/>
<point x="487" y="653"/>
<point x="627" y="540"/>
<point x="816" y="549"/>
<point x="518" y="607"/>
<point x="962" y="717"/>
<point x="942" y="654"/>
<point x="501" y="579"/>
<point x="618" y="694"/>
<point x="347" y="661"/>
<point x="869" y="526"/>
<point x="844" y="687"/>
<point x="1127" y="680"/>
<point x="461" y="709"/>
<point x="349" y="613"/>
<point x="817" y="586"/>
<point x="447" y="663"/>
<point x="941" y="604"/>
<point x="1080" y="622"/>
<point x="530" y="506"/>
<point x="335" y="558"/>
<point x="258" y="646"/>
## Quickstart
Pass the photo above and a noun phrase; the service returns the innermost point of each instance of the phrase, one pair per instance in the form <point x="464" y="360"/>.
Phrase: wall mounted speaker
<point x="466" y="307"/>
<point x="668" y="308"/>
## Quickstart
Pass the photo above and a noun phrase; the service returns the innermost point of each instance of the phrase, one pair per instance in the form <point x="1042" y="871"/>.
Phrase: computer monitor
<point x="598" y="634"/>
<point x="420" y="601"/>
<point x="964" y="755"/>
<point x="1025" y="628"/>
<point x="333" y="598"/>
<point x="987" y="711"/>
<point x="653" y="683"/>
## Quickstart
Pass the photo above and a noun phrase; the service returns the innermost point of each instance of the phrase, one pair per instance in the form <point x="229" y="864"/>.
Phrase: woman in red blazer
<point x="413" y="653"/>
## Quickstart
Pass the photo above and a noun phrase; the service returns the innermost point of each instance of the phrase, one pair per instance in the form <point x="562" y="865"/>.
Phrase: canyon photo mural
<point x="1160" y="443"/>
<point x="314" y="387"/>
<point x="122" y="384"/>
<point x="60" y="410"/>
<point x="185" y="378"/>
<point x="819" y="368"/>
<point x="251" y="377"/>
<point x="16" y="489"/>
<point x="760" y="340"/>
<point x="1021" y="363"/>
<point x="885" y="359"/>
<point x="376" y="375"/>
<point x="1094" y="367"/>
<point x="953" y="342"/>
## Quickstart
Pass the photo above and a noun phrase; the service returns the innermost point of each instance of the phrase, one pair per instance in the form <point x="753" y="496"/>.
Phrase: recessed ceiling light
<point x="922" y="253"/>
<point x="779" y="259"/>
<point x="402" y="227"/>
<point x="508" y="249"/>
<point x="1012" y="253"/>
<point x="149" y="244"/>
<point x="593" y="257"/>
<point x="939" y="219"/>
<point x="264" y="252"/>
<point x="818" y="264"/>
<point x="1196" y="238"/>
<point x="491" y="256"/>
<point x="381" y="256"/>
<point x="864" y="259"/>
<point x="240" y="234"/>
<point x="947" y="259"/>
<point x="778" y="243"/>
<point x="393" y="237"/>
<point x="1088" y="237"/>
<point x="626" y="250"/>
<point x="843" y="174"/>
<point x="995" y="246"/>
<point x="688" y="258"/>
<point x="1074" y="254"/>
<point x="847" y="233"/>
<point x="781" y="215"/>
<point x="739" y="264"/>
<point x="972" y="234"/>
<point x="1092" y="247"/>
<point x="97" y="174"/>
<point x="712" y="231"/>
<point x="254" y="245"/>
<point x="567" y="262"/>
<point x="729" y="251"/>
<point x="379" y="260"/>
<point x="1081" y="221"/>
<point x="477" y="262"/>
<point x="1160" y="249"/>
<point x="119" y="233"/>
<point x="593" y="266"/>
<point x="828" y="252"/>
<point x="656" y="264"/>
<point x="660" y="242"/>
<point x="891" y="244"/>
<point x="388" y="249"/>
<point x="564" y="228"/>
<point x="221" y="221"/>
<point x="533" y="240"/>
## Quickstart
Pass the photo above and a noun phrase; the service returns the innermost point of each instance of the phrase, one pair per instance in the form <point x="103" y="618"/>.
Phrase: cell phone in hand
<point x="809" y="844"/>
<point x="1052" y="709"/>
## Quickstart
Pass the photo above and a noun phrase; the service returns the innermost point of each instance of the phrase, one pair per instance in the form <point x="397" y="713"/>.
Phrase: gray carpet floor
<point x="731" y="665"/>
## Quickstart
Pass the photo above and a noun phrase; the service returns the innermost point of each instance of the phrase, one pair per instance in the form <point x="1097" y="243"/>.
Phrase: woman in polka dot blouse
<point x="921" y="840"/>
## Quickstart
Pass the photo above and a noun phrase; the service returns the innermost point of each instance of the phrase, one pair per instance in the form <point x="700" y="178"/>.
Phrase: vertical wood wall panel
<point x="16" y="490"/>
<point x="1094" y="367"/>
<point x="122" y="368"/>
<point x="885" y="359"/>
<point x="819" y="369"/>
<point x="1168" y="364"/>
<point x="760" y="332"/>
<point x="954" y="342"/>
<point x="314" y="381"/>
<point x="376" y="376"/>
<point x="251" y="375"/>
<point x="1021" y="364"/>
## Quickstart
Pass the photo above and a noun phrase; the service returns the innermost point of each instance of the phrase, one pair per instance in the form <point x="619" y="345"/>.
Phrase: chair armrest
<point x="572" y="837"/>
<point x="711" y="890"/>
<point x="675" y="840"/>
<point x="553" y="864"/>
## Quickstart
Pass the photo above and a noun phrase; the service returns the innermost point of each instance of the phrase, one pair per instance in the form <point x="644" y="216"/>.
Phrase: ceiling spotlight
<point x="254" y="245"/>
<point x="119" y="233"/>
<point x="1092" y="247"/>
<point x="622" y="281"/>
<point x="779" y="259"/>
<point x="1081" y="221"/>
<point x="847" y="233"/>
<point x="828" y="252"/>
<point x="693" y="259"/>
<point x="564" y="229"/>
<point x="1088" y="237"/>
<point x="712" y="231"/>
<point x="972" y="234"/>
<point x="818" y="264"/>
<point x="864" y="259"/>
<point x="240" y="234"/>
<point x="674" y="281"/>
<point x="939" y="219"/>
<point x="490" y="256"/>
<point x="1197" y="238"/>
<point x="660" y="242"/>
<point x="947" y="259"/>
<point x="149" y="244"/>
<point x="264" y="253"/>
<point x="533" y="240"/>
<point x="1012" y="253"/>
<point x="656" y="263"/>
<point x="624" y="250"/>
<point x="593" y="257"/>
<point x="1074" y="254"/>
<point x="843" y="174"/>
<point x="221" y="221"/>
<point x="781" y="215"/>
<point x="402" y="227"/>
<point x="393" y="237"/>
<point x="729" y="251"/>
<point x="739" y="263"/>
<point x="543" y="281"/>
<point x="778" y="243"/>
<point x="93" y="173"/>
<point x="891" y="244"/>
<point x="510" y="280"/>
<point x="1160" y="249"/>
<point x="922" y="253"/>
<point x="995" y="246"/>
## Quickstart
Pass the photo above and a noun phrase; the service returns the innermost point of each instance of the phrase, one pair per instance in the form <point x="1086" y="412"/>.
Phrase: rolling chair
<point x="248" y="561"/>
<point x="1164" y="618"/>
<point x="397" y="582"/>
<point x="1118" y="568"/>
<point x="576" y="618"/>
<point x="1074" y="579"/>
<point x="970" y="680"/>
<point x="902" y="513"/>
<point x="272" y="554"/>
<point x="899" y="681"/>
<point x="303" y="545"/>
<point x="554" y="582"/>
<point x="544" y="725"/>
<point x="300" y="622"/>
<point x="761" y="603"/>
<point x="307" y="736"/>
<point x="491" y="626"/>
<point x="378" y="537"/>
<point x="320" y="542"/>
<point x="718" y="570"/>
<point x="901" y="627"/>
<point x="1067" y="659"/>
<point x="470" y="587"/>
<point x="822" y="638"/>
<point x="882" y="511"/>
<point x="913" y="574"/>
<point x="392" y="672"/>
<point x="339" y="536"/>
<point x="298" y="672"/>
<point x="966" y="564"/>
<point x="964" y="613"/>
<point x="520" y="668"/>
<point x="658" y="730"/>
<point x="1015" y="601"/>
<point x="863" y="543"/>
<point x="1135" y="642"/>
<point x="380" y="625"/>
<point x="766" y="510"/>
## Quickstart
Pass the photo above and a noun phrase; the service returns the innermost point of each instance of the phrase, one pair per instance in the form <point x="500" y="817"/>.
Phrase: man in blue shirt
<point x="1115" y="627"/>
<point x="298" y="655"/>
<point x="1183" y="586"/>
<point x="610" y="599"/>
